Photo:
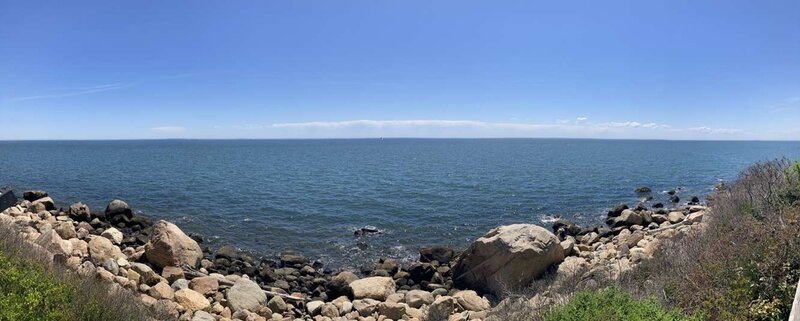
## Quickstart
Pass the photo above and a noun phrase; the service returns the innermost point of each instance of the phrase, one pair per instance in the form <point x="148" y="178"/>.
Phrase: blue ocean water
<point x="310" y="195"/>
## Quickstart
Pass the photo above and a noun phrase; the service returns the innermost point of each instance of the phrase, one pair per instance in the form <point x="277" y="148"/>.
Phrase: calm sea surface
<point x="310" y="195"/>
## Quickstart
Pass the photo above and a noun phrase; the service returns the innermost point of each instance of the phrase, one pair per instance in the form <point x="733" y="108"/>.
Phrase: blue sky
<point x="296" y="69"/>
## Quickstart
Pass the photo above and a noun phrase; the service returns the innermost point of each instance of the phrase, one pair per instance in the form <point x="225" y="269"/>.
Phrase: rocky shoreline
<point x="177" y="273"/>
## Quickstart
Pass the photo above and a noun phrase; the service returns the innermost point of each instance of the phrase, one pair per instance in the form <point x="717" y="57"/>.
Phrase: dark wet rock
<point x="563" y="228"/>
<point x="7" y="199"/>
<point x="367" y="230"/>
<point x="674" y="199"/>
<point x="421" y="272"/>
<point x="340" y="284"/>
<point x="227" y="252"/>
<point x="442" y="254"/>
<point x="289" y="258"/>
<point x="389" y="265"/>
<point x="643" y="190"/>
<point x="605" y="232"/>
<point x="695" y="200"/>
<point x="671" y="192"/>
<point x="617" y="210"/>
<point x="118" y="212"/>
<point x="79" y="212"/>
<point x="658" y="205"/>
<point x="33" y="195"/>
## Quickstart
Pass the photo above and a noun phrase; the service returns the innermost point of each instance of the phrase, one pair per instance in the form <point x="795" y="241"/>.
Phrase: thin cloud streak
<point x="81" y="92"/>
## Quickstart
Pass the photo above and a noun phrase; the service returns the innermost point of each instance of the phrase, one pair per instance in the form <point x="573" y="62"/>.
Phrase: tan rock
<point x="507" y="257"/>
<point x="191" y="300"/>
<point x="47" y="202"/>
<point x="172" y="273"/>
<point x="470" y="301"/>
<point x="245" y="295"/>
<point x="394" y="311"/>
<point x="52" y="242"/>
<point x="205" y="285"/>
<point x="675" y="217"/>
<point x="66" y="230"/>
<point x="100" y="249"/>
<point x="696" y="217"/>
<point x="441" y="308"/>
<point x="418" y="298"/>
<point x="161" y="291"/>
<point x="79" y="247"/>
<point x="276" y="304"/>
<point x="365" y="307"/>
<point x="169" y="246"/>
<point x="113" y="234"/>
<point x="377" y="288"/>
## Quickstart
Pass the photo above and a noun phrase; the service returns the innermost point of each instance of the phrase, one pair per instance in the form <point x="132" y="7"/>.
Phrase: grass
<point x="744" y="265"/>
<point x="33" y="287"/>
<point x="612" y="304"/>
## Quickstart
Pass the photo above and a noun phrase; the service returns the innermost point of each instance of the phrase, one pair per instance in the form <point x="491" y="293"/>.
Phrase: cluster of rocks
<point x="174" y="272"/>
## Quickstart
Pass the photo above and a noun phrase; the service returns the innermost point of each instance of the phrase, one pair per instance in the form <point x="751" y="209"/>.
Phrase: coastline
<point x="116" y="245"/>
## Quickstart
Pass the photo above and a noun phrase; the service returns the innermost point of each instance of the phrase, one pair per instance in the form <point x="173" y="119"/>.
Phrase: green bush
<point x="33" y="287"/>
<point x="612" y="304"/>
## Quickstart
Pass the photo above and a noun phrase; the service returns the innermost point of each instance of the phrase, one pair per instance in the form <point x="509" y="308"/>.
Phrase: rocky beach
<point x="178" y="273"/>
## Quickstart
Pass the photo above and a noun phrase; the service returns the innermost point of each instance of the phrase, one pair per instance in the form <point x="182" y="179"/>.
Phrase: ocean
<point x="310" y="196"/>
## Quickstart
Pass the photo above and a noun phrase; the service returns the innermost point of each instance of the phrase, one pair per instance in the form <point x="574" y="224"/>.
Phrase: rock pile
<point x="173" y="271"/>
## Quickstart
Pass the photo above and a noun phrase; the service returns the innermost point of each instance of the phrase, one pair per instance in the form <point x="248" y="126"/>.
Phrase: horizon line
<point x="400" y="138"/>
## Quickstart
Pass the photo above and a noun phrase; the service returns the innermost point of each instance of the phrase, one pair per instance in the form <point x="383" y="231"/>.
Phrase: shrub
<point x="33" y="287"/>
<point x="745" y="263"/>
<point x="611" y="304"/>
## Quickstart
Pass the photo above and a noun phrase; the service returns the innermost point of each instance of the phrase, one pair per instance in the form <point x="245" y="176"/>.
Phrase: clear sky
<point x="295" y="69"/>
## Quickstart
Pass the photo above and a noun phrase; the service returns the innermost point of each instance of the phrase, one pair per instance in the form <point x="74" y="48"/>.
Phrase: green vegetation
<point x="744" y="265"/>
<point x="34" y="288"/>
<point x="611" y="304"/>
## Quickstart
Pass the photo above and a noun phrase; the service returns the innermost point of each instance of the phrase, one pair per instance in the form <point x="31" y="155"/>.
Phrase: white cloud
<point x="579" y="128"/>
<point x="716" y="131"/>
<point x="168" y="129"/>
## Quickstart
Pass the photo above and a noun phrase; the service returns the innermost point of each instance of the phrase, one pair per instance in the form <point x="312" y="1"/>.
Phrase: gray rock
<point x="202" y="316"/>
<point x="245" y="295"/>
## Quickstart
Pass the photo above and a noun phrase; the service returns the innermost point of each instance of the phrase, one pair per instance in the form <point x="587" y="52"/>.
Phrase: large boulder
<point x="245" y="295"/>
<point x="376" y="288"/>
<point x="169" y="246"/>
<point x="507" y="257"/>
